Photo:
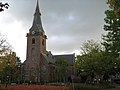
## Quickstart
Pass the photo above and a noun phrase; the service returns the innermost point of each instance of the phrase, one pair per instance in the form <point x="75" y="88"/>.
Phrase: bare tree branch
<point x="5" y="47"/>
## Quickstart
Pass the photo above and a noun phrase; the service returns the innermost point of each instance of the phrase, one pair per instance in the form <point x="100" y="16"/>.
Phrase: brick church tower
<point x="36" y="38"/>
<point x="40" y="64"/>
<point x="36" y="46"/>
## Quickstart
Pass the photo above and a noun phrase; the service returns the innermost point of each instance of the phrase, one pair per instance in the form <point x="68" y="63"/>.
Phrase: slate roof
<point x="37" y="24"/>
<point x="70" y="58"/>
<point x="49" y="57"/>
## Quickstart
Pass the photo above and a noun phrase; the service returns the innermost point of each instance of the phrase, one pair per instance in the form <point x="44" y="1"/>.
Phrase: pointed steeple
<point x="37" y="11"/>
<point x="37" y="24"/>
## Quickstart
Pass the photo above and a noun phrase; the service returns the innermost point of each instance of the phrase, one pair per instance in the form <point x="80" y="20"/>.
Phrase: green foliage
<point x="92" y="60"/>
<point x="6" y="55"/>
<point x="115" y="5"/>
<point x="61" y="64"/>
<point x="91" y="54"/>
<point x="111" y="41"/>
<point x="95" y="62"/>
<point x="8" y="65"/>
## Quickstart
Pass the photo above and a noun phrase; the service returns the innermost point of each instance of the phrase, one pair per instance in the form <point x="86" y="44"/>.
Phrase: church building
<point x="40" y="64"/>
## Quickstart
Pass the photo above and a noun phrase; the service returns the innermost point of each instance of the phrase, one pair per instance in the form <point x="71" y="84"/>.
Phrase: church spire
<point x="37" y="24"/>
<point x="37" y="11"/>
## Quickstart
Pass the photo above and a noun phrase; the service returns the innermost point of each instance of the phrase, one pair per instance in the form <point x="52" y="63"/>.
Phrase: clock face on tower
<point x="33" y="32"/>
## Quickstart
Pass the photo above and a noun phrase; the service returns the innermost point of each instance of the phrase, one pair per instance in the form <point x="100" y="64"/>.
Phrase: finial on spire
<point x="37" y="24"/>
<point x="37" y="11"/>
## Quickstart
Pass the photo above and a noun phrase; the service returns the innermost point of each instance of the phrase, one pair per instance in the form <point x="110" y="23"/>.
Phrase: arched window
<point x="33" y="41"/>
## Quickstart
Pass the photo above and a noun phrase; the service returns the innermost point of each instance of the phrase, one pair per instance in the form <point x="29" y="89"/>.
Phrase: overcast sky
<point x="67" y="23"/>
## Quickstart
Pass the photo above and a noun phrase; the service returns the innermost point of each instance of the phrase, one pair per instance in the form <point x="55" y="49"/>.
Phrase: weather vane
<point x="2" y="6"/>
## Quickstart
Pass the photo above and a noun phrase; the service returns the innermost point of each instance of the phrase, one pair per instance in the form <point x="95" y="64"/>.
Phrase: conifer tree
<point x="111" y="40"/>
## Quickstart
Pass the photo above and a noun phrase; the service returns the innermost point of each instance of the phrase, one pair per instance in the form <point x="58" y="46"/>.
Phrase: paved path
<point x="117" y="88"/>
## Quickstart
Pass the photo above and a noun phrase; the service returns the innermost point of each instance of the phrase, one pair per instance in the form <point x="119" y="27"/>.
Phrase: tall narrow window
<point x="43" y="42"/>
<point x="33" y="41"/>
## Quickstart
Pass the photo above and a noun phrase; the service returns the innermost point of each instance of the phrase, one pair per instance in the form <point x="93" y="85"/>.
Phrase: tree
<point x="90" y="46"/>
<point x="2" y="6"/>
<point x="115" y="4"/>
<point x="5" y="47"/>
<point x="111" y="40"/>
<point x="61" y="69"/>
<point x="5" y="55"/>
<point x="93" y="63"/>
<point x="9" y="58"/>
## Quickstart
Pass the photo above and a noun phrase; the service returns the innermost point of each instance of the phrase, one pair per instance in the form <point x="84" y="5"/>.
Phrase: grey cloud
<point x="67" y="23"/>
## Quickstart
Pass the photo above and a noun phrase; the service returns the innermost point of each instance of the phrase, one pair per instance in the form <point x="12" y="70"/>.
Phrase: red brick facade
<point x="40" y="65"/>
